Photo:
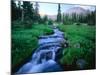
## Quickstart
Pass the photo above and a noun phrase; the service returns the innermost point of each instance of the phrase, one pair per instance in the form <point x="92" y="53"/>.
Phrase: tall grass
<point x="81" y="41"/>
<point x="25" y="42"/>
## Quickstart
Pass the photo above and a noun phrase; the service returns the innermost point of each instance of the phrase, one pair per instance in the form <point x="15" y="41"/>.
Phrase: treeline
<point x="24" y="14"/>
<point x="89" y="18"/>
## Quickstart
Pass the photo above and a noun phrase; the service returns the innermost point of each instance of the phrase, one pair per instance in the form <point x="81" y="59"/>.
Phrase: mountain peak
<point x="77" y="10"/>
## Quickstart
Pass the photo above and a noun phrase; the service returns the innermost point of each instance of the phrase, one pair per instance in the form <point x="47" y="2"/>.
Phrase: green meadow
<point x="28" y="24"/>
<point x="81" y="40"/>
<point x="25" y="41"/>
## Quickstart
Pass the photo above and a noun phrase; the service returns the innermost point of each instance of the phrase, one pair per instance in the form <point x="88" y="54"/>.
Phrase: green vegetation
<point x="81" y="40"/>
<point x="27" y="25"/>
<point x="25" y="41"/>
<point x="89" y="18"/>
<point x="59" y="13"/>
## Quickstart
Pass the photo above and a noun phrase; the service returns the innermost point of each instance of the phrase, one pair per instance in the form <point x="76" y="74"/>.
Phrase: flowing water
<point x="45" y="56"/>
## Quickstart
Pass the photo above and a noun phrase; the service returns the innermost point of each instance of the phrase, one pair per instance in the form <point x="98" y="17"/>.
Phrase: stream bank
<point x="45" y="57"/>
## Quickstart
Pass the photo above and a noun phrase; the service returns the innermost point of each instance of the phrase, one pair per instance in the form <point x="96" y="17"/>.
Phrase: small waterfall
<point x="43" y="59"/>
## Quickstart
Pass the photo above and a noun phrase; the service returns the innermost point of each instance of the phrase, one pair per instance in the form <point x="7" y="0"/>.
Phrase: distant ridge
<point x="77" y="10"/>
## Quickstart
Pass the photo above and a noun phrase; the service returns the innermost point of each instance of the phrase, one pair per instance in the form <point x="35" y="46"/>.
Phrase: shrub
<point x="50" y="22"/>
<point x="28" y="23"/>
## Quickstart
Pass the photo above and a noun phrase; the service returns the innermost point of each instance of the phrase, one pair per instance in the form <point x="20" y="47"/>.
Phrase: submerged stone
<point x="81" y="63"/>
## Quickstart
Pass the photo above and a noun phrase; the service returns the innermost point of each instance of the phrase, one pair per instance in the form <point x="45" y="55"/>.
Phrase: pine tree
<point x="63" y="18"/>
<point x="28" y="10"/>
<point x="28" y="13"/>
<point x="91" y="18"/>
<point x="36" y="16"/>
<point x="19" y="10"/>
<point x="74" y="17"/>
<point x="16" y="10"/>
<point x="45" y="18"/>
<point x="59" y="13"/>
<point x="22" y="14"/>
<point x="13" y="11"/>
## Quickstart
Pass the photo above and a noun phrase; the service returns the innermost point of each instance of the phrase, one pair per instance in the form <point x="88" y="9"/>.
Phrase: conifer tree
<point x="59" y="13"/>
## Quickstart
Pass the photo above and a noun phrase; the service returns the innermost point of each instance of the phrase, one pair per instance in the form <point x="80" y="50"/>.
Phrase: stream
<point x="44" y="59"/>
